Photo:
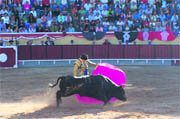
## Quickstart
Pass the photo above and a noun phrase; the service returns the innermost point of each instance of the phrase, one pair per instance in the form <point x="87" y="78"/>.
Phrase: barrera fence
<point x="99" y="52"/>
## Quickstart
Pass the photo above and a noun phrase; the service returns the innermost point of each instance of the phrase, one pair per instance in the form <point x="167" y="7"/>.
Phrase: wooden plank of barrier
<point x="85" y="49"/>
<point x="131" y="51"/>
<point x="162" y="51"/>
<point x="100" y="51"/>
<point x="24" y="52"/>
<point x="176" y="51"/>
<point x="54" y="52"/>
<point x="146" y="51"/>
<point x="38" y="52"/>
<point x="116" y="51"/>
<point x="69" y="52"/>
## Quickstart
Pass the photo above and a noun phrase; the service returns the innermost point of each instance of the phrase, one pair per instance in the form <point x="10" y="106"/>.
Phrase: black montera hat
<point x="84" y="56"/>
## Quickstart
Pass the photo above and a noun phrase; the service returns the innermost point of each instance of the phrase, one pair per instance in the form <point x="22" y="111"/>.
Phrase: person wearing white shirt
<point x="96" y="11"/>
<point x="120" y="22"/>
<point x="104" y="12"/>
<point x="104" y="1"/>
<point x="6" y="19"/>
<point x="100" y="6"/>
<point x="34" y="12"/>
<point x="91" y="17"/>
<point x="133" y="1"/>
<point x="3" y="11"/>
<point x="151" y="2"/>
<point x="174" y="18"/>
<point x="98" y="17"/>
<point x="32" y="29"/>
<point x="106" y="23"/>
<point x="112" y="27"/>
<point x="64" y="2"/>
<point x="87" y="6"/>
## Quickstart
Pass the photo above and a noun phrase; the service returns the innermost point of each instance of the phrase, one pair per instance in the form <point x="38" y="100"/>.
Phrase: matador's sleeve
<point x="92" y="63"/>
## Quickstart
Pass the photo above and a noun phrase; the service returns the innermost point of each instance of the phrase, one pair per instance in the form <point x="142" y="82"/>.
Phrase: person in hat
<point x="81" y="65"/>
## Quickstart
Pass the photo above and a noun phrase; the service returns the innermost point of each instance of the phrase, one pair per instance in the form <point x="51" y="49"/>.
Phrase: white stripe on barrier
<point x="99" y="60"/>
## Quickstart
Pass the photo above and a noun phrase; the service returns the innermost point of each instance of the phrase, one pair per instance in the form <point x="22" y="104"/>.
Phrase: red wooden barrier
<point x="24" y="52"/>
<point x="54" y="52"/>
<point x="116" y="51"/>
<point x="69" y="52"/>
<point x="38" y="52"/>
<point x="88" y="49"/>
<point x="100" y="51"/>
<point x="176" y="51"/>
<point x="146" y="51"/>
<point x="162" y="51"/>
<point x="131" y="51"/>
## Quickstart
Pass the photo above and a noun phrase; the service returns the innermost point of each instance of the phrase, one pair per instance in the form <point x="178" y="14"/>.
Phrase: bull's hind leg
<point x="106" y="100"/>
<point x="58" y="98"/>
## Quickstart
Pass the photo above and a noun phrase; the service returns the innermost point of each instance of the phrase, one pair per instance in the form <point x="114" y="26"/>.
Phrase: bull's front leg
<point x="58" y="98"/>
<point x="106" y="100"/>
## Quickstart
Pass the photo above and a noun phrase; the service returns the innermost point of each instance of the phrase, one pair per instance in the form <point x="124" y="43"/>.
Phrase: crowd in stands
<point x="29" y="16"/>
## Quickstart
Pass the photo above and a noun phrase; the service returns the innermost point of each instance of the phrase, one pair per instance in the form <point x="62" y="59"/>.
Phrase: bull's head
<point x="122" y="95"/>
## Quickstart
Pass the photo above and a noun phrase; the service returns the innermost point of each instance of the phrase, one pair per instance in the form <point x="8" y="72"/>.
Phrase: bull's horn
<point x="50" y="85"/>
<point x="127" y="85"/>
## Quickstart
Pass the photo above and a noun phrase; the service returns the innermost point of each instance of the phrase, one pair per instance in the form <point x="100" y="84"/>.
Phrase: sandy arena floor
<point x="155" y="94"/>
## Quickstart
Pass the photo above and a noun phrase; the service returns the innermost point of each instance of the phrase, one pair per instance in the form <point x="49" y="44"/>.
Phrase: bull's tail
<point x="53" y="85"/>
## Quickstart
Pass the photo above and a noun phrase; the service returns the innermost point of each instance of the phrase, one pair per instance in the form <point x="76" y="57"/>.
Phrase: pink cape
<point x="113" y="73"/>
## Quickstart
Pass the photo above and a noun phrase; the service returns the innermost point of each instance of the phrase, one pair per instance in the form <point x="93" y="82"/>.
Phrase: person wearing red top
<point x="46" y="3"/>
<point x="144" y="1"/>
<point x="17" y="2"/>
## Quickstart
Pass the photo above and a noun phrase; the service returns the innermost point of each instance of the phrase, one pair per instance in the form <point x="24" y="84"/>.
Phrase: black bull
<point x="95" y="86"/>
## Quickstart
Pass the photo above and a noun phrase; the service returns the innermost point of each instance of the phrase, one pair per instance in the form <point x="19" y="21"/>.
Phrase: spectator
<point x="21" y="24"/>
<point x="39" y="28"/>
<point x="34" y="12"/>
<point x="61" y="28"/>
<point x="49" y="42"/>
<point x="2" y="43"/>
<point x="104" y="12"/>
<point x="3" y="11"/>
<point x="106" y="42"/>
<point x="42" y="43"/>
<point x="74" y="11"/>
<point x="11" y="43"/>
<point x="61" y="18"/>
<point x="64" y="3"/>
<point x="112" y="27"/>
<point x="5" y="18"/>
<point x="175" y="29"/>
<point x="47" y="29"/>
<point x="56" y="12"/>
<point x="46" y="3"/>
<point x="31" y="19"/>
<point x="17" y="42"/>
<point x="16" y="30"/>
<point x="68" y="19"/>
<point x="71" y="28"/>
<point x="23" y="30"/>
<point x="110" y="14"/>
<point x="30" y="42"/>
<point x="25" y="1"/>
<point x="27" y="7"/>
<point x="99" y="28"/>
<point x="9" y="30"/>
<point x="32" y="28"/>
<point x="158" y="28"/>
<point x="54" y="27"/>
<point x="97" y="17"/>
